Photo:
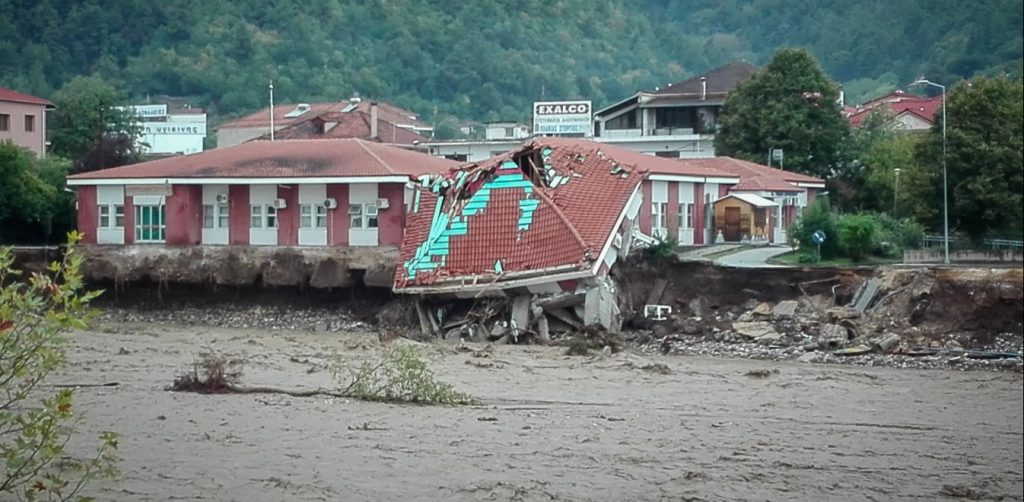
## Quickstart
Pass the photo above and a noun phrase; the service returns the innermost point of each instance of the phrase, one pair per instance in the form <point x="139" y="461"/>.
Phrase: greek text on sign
<point x="187" y="128"/>
<point x="150" y="111"/>
<point x="563" y="117"/>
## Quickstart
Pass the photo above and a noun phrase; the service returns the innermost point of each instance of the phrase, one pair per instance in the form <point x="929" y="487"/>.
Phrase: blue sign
<point x="818" y="237"/>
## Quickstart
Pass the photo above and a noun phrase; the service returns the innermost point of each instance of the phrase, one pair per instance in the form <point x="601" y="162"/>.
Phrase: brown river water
<point x="551" y="426"/>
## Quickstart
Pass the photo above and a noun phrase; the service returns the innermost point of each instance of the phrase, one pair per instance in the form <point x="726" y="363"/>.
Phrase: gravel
<point x="319" y="319"/>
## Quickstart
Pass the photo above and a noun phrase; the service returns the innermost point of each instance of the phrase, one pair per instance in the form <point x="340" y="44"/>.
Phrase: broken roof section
<point x="548" y="210"/>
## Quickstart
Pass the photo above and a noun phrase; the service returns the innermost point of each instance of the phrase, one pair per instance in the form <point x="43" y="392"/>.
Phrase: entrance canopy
<point x="749" y="198"/>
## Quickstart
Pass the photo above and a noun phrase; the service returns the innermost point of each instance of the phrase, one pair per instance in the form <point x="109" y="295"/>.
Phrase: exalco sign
<point x="563" y="117"/>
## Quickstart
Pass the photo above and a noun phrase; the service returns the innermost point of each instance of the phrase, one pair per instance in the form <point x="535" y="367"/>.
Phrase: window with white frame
<point x="215" y="216"/>
<point x="658" y="214"/>
<point x="150" y="223"/>
<point x="362" y="215"/>
<point x="685" y="215"/>
<point x="111" y="216"/>
<point x="262" y="216"/>
<point x="312" y="216"/>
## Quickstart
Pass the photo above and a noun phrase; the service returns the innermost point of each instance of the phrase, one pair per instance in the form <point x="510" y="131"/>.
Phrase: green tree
<point x="26" y="202"/>
<point x="91" y="126"/>
<point x="35" y="317"/>
<point x="789" y="104"/>
<point x="985" y="157"/>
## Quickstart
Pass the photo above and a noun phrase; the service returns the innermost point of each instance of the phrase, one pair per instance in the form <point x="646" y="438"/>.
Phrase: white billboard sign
<point x="563" y="117"/>
<point x="174" y="128"/>
<point x="150" y="111"/>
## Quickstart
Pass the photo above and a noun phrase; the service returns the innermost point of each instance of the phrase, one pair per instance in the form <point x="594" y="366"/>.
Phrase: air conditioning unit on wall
<point x="383" y="203"/>
<point x="331" y="203"/>
<point x="222" y="198"/>
<point x="280" y="204"/>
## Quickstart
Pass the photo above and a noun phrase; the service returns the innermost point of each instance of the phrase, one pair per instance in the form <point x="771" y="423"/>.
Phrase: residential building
<point x="499" y="131"/>
<point x="170" y="128"/>
<point x="905" y="111"/>
<point x="23" y="120"/>
<point x="679" y="120"/>
<point x="344" y="192"/>
<point x="552" y="216"/>
<point x="369" y="120"/>
<point x="469" y="150"/>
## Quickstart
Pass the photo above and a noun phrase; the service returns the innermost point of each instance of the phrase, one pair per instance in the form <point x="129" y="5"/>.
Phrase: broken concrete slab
<point x="763" y="309"/>
<point x="785" y="309"/>
<point x="755" y="329"/>
<point x="520" y="313"/>
<point x="866" y="294"/>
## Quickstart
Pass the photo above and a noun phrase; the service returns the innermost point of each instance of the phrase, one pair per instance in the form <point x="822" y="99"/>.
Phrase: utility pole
<point x="271" y="110"/>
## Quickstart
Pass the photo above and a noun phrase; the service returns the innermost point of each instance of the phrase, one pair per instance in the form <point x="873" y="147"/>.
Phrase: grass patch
<point x="809" y="259"/>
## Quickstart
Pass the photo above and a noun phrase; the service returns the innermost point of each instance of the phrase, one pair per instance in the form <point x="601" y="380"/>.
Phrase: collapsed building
<point x="538" y="228"/>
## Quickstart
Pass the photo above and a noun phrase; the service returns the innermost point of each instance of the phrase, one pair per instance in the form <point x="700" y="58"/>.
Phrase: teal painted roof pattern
<point x="553" y="203"/>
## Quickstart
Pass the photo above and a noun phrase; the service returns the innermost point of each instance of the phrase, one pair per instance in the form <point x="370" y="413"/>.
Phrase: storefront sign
<point x="150" y="111"/>
<point x="563" y="117"/>
<point x="142" y="190"/>
<point x="175" y="128"/>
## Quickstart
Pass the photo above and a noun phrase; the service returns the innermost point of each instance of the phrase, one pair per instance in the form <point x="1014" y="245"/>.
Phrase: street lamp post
<point x="945" y="181"/>
<point x="896" y="193"/>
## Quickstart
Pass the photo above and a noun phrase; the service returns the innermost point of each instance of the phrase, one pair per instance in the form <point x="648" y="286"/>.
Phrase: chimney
<point x="703" y="88"/>
<point x="373" y="120"/>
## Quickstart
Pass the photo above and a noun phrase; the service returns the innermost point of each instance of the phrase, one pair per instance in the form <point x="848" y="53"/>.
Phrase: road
<point x="550" y="426"/>
<point x="753" y="258"/>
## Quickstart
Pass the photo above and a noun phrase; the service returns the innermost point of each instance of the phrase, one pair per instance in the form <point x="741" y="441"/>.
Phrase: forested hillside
<point x="482" y="59"/>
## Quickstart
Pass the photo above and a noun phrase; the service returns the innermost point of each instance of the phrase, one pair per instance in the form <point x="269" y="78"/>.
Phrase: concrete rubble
<point x="895" y="318"/>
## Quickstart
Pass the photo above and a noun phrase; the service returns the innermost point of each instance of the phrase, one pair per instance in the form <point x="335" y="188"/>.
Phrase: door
<point x="732" y="231"/>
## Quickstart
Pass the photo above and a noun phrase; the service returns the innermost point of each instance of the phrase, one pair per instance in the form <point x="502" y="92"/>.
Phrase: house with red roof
<point x="680" y="197"/>
<point x="678" y="121"/>
<point x="23" y="120"/>
<point x="554" y="215"/>
<point x="340" y="192"/>
<point x="356" y="118"/>
<point x="907" y="112"/>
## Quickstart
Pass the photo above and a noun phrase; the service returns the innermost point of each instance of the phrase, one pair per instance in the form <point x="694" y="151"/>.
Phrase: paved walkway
<point x="701" y="253"/>
<point x="753" y="258"/>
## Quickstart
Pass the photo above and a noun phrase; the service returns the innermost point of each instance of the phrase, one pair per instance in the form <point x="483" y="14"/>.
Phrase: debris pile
<point x="910" y="318"/>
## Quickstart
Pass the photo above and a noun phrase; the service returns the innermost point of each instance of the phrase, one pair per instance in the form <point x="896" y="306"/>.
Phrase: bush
<point x="400" y="376"/>
<point x="818" y="216"/>
<point x="896" y="235"/>
<point x="856" y="234"/>
<point x="35" y="316"/>
<point x="664" y="247"/>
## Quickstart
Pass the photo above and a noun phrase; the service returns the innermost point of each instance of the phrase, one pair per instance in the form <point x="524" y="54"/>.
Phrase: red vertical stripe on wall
<point x="723" y="190"/>
<point x="238" y="214"/>
<point x="129" y="220"/>
<point x="672" y="219"/>
<point x="812" y="193"/>
<point x="698" y="213"/>
<point x="88" y="217"/>
<point x="391" y="221"/>
<point x="288" y="218"/>
<point x="645" y="208"/>
<point x="184" y="215"/>
<point x="337" y="219"/>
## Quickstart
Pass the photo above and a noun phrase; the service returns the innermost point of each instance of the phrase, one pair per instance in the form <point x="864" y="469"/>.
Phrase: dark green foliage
<point x="91" y="127"/>
<point x="26" y="201"/>
<point x="484" y="59"/>
<point x="857" y="236"/>
<point x="818" y="216"/>
<point x="985" y="157"/>
<point x="789" y="104"/>
<point x="893" y="236"/>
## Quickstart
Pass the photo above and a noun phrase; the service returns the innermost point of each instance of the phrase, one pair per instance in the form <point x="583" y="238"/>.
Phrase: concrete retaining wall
<point x="937" y="256"/>
<point x="317" y="267"/>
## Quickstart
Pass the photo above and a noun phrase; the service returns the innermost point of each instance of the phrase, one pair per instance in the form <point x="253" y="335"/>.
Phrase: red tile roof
<point x="499" y="215"/>
<point x="746" y="170"/>
<point x="764" y="184"/>
<point x="285" y="159"/>
<point x="354" y="124"/>
<point x="898" y="103"/>
<point x="385" y="112"/>
<point x="720" y="81"/>
<point x="17" y="97"/>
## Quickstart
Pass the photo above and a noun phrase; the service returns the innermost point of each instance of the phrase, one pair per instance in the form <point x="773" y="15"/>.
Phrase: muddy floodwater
<point x="552" y="427"/>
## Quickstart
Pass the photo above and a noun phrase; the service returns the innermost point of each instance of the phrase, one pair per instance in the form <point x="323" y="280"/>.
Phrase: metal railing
<point x="936" y="241"/>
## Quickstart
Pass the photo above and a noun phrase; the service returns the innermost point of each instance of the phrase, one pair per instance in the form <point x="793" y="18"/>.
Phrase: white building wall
<point x="362" y="193"/>
<point x="685" y="198"/>
<point x="659" y="205"/>
<point x="313" y="195"/>
<point x="217" y="235"/>
<point x="263" y="195"/>
<point x="110" y="195"/>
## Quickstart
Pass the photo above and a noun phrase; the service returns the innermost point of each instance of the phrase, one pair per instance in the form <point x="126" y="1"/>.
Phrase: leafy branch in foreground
<point x="36" y="315"/>
<point x="400" y="376"/>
